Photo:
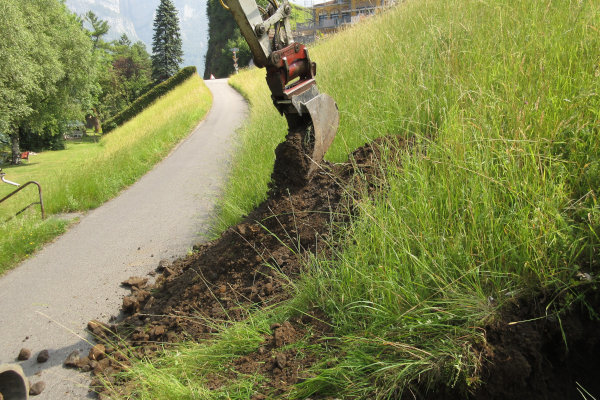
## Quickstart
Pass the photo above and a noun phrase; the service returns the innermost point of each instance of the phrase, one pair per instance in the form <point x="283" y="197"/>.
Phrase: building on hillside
<point x="330" y="16"/>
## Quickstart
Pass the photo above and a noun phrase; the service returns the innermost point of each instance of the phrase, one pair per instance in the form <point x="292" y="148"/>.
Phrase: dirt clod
<point x="72" y="359"/>
<point x="285" y="334"/>
<point x="100" y="366"/>
<point x="37" y="388"/>
<point x="281" y="360"/>
<point x="43" y="356"/>
<point x="135" y="281"/>
<point x="130" y="304"/>
<point x="158" y="330"/>
<point x="84" y="364"/>
<point x="97" y="353"/>
<point x="24" y="354"/>
<point x="98" y="329"/>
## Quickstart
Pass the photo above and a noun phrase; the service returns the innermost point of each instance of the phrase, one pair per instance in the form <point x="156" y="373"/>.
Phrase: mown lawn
<point x="48" y="163"/>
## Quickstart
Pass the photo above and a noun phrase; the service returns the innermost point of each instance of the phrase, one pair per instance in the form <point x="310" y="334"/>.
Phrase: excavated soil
<point x="291" y="163"/>
<point x="547" y="358"/>
<point x="530" y="353"/>
<point x="251" y="264"/>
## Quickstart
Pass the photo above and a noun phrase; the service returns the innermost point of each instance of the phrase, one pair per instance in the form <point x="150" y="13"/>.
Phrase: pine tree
<point x="166" y="42"/>
<point x="99" y="28"/>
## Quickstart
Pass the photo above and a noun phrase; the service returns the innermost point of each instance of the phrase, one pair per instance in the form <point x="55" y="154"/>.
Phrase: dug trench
<point x="251" y="266"/>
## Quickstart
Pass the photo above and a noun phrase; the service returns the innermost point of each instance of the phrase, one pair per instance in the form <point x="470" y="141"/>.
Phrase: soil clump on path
<point x="251" y="265"/>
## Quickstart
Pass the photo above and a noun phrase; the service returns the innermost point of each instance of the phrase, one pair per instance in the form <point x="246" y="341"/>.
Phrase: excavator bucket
<point x="310" y="134"/>
<point x="325" y="119"/>
<point x="312" y="117"/>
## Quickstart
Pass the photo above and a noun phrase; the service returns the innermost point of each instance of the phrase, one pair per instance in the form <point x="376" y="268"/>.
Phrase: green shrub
<point x="48" y="138"/>
<point x="142" y="102"/>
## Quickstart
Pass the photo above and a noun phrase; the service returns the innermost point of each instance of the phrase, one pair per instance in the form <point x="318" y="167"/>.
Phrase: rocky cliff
<point x="135" y="19"/>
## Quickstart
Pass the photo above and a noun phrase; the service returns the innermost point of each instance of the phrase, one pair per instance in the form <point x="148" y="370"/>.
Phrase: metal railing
<point x="323" y="23"/>
<point x="21" y="187"/>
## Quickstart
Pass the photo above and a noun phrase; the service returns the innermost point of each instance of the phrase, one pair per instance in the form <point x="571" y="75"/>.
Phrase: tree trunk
<point x="16" y="151"/>
<point x="93" y="121"/>
<point x="96" y="124"/>
<point x="96" y="121"/>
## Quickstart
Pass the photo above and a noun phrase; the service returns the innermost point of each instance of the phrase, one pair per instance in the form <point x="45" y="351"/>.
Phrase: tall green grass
<point x="256" y="149"/>
<point x="496" y="200"/>
<point x="86" y="175"/>
<point x="502" y="99"/>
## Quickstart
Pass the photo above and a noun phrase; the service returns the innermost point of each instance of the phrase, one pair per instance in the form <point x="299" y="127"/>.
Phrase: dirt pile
<point x="533" y="353"/>
<point x="251" y="264"/>
<point x="553" y="357"/>
<point x="292" y="161"/>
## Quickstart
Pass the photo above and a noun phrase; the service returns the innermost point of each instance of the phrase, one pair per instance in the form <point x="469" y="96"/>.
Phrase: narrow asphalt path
<point x="47" y="301"/>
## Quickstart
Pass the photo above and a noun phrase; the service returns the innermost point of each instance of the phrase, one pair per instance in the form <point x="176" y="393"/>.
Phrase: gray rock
<point x="37" y="388"/>
<point x="43" y="356"/>
<point x="24" y="354"/>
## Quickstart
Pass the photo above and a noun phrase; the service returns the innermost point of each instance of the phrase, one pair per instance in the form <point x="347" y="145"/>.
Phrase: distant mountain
<point x="135" y="19"/>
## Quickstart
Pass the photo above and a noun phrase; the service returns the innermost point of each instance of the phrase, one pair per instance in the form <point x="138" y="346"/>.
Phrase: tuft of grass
<point x="496" y="200"/>
<point x="24" y="236"/>
<point x="252" y="163"/>
<point x="88" y="174"/>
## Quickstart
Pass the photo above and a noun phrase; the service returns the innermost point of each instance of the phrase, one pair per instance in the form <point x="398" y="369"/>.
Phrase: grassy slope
<point x="87" y="174"/>
<point x="497" y="200"/>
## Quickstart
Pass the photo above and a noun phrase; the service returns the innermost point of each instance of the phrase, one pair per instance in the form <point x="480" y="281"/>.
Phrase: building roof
<point x="328" y="3"/>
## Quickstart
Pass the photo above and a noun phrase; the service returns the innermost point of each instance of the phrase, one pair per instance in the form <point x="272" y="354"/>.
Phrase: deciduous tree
<point x="125" y="77"/>
<point x="46" y="73"/>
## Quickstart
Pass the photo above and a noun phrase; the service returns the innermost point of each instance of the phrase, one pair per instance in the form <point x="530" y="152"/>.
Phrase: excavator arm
<point x="312" y="117"/>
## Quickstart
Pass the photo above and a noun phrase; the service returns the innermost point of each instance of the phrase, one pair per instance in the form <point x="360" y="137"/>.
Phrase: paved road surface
<point x="47" y="301"/>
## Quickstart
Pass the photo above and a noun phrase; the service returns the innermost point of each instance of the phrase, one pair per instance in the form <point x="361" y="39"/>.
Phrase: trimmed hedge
<point x="142" y="102"/>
